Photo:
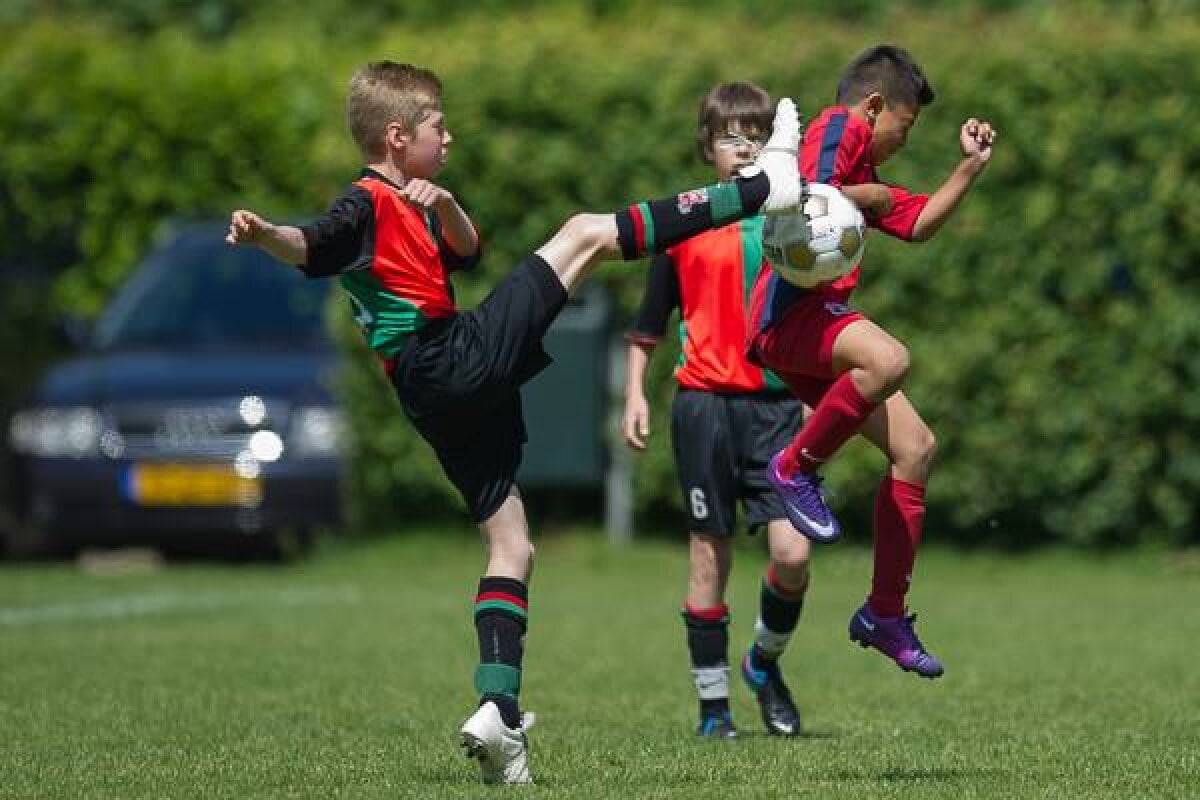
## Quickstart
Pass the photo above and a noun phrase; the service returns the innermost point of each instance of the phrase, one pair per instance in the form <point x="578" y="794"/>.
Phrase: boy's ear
<point x="396" y="137"/>
<point x="874" y="104"/>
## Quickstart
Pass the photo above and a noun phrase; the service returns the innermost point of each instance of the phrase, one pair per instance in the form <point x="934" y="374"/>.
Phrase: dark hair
<point x="889" y="70"/>
<point x="745" y="103"/>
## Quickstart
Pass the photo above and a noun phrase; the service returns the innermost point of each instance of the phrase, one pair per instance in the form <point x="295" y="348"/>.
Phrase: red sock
<point x="839" y="415"/>
<point x="772" y="579"/>
<point x="899" y="512"/>
<point x="714" y="614"/>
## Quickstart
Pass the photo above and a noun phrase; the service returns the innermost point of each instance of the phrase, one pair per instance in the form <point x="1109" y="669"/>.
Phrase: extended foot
<point x="779" y="711"/>
<point x="778" y="159"/>
<point x="717" y="726"/>
<point x="804" y="503"/>
<point x="895" y="637"/>
<point x="503" y="752"/>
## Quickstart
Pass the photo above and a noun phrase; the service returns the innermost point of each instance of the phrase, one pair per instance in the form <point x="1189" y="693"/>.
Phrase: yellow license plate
<point x="192" y="485"/>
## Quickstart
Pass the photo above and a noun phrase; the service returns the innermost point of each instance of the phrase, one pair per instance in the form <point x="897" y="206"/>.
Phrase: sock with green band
<point x="655" y="225"/>
<point x="501" y="608"/>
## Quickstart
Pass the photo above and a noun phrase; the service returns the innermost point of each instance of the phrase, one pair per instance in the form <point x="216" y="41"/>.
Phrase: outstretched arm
<point x="284" y="242"/>
<point x="329" y="245"/>
<point x="975" y="138"/>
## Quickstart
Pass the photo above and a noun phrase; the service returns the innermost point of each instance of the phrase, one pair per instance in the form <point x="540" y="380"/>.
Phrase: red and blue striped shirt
<point x="837" y="151"/>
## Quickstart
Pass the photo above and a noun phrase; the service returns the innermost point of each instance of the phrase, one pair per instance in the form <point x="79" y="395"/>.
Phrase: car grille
<point x="216" y="430"/>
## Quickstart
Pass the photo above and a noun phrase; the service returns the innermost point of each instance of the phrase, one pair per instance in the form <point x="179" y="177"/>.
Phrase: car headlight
<point x="316" y="431"/>
<point x="57" y="432"/>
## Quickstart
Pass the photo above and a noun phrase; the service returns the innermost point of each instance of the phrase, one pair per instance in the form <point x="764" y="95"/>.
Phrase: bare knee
<point x="790" y="552"/>
<point x="794" y="560"/>
<point x="882" y="372"/>
<point x="914" y="454"/>
<point x="582" y="242"/>
<point x="596" y="232"/>
<point x="509" y="550"/>
<point x="891" y="365"/>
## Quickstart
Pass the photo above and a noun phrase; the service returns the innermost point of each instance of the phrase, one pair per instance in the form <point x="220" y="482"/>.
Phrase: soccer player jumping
<point x="847" y="368"/>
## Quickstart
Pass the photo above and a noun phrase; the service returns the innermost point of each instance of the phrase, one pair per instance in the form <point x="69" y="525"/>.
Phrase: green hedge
<point x="350" y="20"/>
<point x="1051" y="323"/>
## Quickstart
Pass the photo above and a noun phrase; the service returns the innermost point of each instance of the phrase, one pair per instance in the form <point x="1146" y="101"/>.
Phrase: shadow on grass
<point x="465" y="775"/>
<point x="802" y="736"/>
<point x="914" y="775"/>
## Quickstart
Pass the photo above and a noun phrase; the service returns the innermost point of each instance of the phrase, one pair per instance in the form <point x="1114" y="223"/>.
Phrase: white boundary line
<point x="153" y="603"/>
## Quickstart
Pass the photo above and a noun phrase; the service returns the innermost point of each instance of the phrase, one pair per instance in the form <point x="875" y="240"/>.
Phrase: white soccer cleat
<point x="503" y="752"/>
<point x="779" y="160"/>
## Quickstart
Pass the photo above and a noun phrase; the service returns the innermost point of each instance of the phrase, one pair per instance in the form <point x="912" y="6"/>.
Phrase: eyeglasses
<point x="735" y="141"/>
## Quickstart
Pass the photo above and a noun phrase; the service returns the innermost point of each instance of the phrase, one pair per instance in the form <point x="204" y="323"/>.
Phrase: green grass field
<point x="1067" y="676"/>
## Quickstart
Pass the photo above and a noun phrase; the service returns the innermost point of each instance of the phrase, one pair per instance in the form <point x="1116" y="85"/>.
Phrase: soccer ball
<point x="820" y="242"/>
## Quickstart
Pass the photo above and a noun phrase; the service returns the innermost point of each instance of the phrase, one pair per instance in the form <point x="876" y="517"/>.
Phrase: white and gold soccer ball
<point x="818" y="242"/>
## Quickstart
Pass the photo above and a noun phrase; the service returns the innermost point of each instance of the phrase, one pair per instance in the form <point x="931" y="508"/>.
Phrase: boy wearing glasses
<point x="727" y="419"/>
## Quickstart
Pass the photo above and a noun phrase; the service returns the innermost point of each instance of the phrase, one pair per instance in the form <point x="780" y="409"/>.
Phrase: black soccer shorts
<point x="722" y="443"/>
<point x="459" y="381"/>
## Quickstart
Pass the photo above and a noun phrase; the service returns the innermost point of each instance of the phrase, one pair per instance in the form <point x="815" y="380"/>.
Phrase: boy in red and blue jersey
<point x="392" y="239"/>
<point x="727" y="419"/>
<point x="842" y="365"/>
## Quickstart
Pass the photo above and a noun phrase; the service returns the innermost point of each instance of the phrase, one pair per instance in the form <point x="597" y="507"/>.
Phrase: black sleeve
<point x="659" y="300"/>
<point x="343" y="239"/>
<point x="452" y="260"/>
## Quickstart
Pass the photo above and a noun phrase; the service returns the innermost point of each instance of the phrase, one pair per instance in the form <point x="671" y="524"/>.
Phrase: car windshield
<point x="198" y="292"/>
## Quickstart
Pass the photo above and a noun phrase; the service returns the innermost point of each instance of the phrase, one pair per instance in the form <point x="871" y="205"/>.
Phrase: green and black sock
<point x="501" y="608"/>
<point x="655" y="225"/>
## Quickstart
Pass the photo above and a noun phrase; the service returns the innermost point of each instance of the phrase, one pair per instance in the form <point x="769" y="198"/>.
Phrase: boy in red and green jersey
<point x="392" y="238"/>
<point x="728" y="417"/>
<point x="713" y="308"/>
<point x="398" y="280"/>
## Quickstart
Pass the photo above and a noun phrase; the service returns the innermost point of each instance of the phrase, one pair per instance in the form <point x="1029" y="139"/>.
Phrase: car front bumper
<point x="91" y="499"/>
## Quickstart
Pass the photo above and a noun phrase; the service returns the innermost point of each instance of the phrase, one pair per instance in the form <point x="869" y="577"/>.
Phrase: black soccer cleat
<point x="779" y="712"/>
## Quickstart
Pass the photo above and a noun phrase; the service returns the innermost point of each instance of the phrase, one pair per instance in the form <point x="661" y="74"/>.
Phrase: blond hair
<point x="384" y="92"/>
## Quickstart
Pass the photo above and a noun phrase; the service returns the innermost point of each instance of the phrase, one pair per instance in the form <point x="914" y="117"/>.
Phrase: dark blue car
<point x="199" y="404"/>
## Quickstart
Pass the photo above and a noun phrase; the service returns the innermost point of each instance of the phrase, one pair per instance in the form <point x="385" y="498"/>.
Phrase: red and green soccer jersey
<point x="389" y="256"/>
<point x="709" y="278"/>
<point x="837" y="151"/>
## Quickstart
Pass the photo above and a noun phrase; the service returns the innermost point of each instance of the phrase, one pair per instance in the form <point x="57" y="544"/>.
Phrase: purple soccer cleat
<point x="894" y="637"/>
<point x="803" y="502"/>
